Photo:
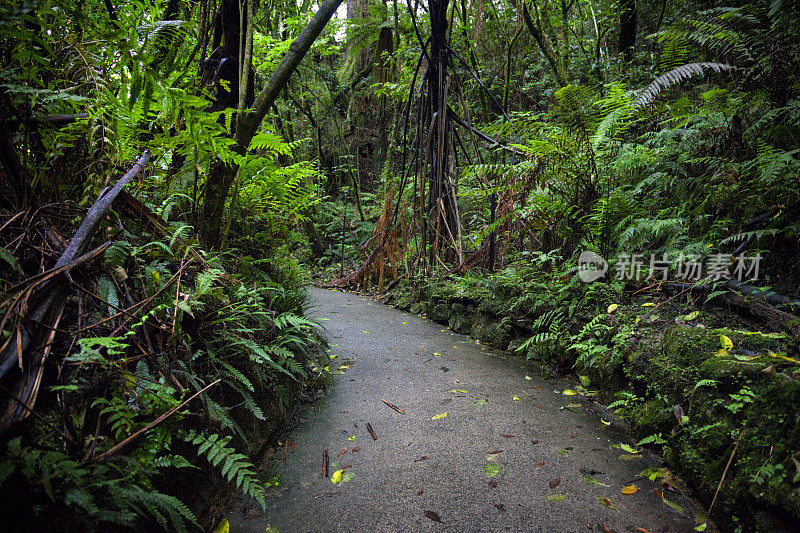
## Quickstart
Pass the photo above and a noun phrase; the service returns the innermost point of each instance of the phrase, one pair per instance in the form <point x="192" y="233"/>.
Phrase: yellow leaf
<point x="516" y="398"/>
<point x="721" y="352"/>
<point x="612" y="308"/>
<point x="630" y="489"/>
<point x="528" y="378"/>
<point x="336" y="477"/>
<point x="604" y="422"/>
<point x="648" y="304"/>
<point x="223" y="526"/>
<point x="725" y="342"/>
<point x="459" y="391"/>
<point x="439" y="416"/>
<point x="570" y="392"/>
<point x="437" y="354"/>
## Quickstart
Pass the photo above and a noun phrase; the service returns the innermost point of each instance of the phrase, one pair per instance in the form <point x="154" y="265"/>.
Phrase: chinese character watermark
<point x="684" y="267"/>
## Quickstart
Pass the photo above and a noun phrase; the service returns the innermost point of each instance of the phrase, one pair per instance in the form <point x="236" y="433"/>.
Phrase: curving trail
<point x="392" y="355"/>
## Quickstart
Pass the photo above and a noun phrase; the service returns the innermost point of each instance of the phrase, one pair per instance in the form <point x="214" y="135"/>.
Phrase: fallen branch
<point x="393" y="406"/>
<point x="155" y="422"/>
<point x="372" y="432"/>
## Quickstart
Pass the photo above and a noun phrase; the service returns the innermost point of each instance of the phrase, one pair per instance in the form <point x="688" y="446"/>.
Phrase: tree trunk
<point x="627" y="28"/>
<point x="221" y="175"/>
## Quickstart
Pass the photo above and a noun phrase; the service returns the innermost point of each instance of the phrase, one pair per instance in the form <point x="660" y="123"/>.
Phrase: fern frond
<point x="675" y="76"/>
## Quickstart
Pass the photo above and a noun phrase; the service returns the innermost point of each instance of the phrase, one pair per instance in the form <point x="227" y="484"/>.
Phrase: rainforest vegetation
<point x="610" y="188"/>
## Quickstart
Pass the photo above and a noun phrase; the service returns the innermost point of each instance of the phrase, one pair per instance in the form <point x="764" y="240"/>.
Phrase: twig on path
<point x="393" y="406"/>
<point x="372" y="432"/>
<point x="324" y="463"/>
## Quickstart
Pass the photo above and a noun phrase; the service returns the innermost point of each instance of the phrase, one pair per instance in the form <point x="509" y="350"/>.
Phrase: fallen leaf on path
<point x="422" y="458"/>
<point x="605" y="528"/>
<point x="540" y="463"/>
<point x="493" y="483"/>
<point x="672" y="505"/>
<point x="365" y="331"/>
<point x="480" y="402"/>
<point x="534" y="441"/>
<point x="607" y="503"/>
<point x="605" y="423"/>
<point x="333" y="356"/>
<point x="433" y="516"/>
<point x="437" y="354"/>
<point x="500" y="507"/>
<point x="528" y="378"/>
<point x="351" y="438"/>
<point x="630" y="489"/>
<point x="491" y="456"/>
<point x="555" y="497"/>
<point x="495" y="452"/>
<point x="516" y="398"/>
<point x="625" y="448"/>
<point x="535" y="388"/>
<point x="573" y="435"/>
<point x="459" y="391"/>
<point x="439" y="416"/>
<point x="419" y="492"/>
<point x="593" y="481"/>
<point x="356" y="449"/>
<point x="444" y="368"/>
<point x="506" y="436"/>
<point x="344" y="450"/>
<point x="555" y="482"/>
<point x="491" y="469"/>
<point x="336" y="477"/>
<point x="563" y="453"/>
<point x="569" y="392"/>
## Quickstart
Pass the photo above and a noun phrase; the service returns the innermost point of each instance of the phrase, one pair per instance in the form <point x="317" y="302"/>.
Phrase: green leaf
<point x="491" y="469"/>
<point x="552" y="498"/>
<point x="725" y="342"/>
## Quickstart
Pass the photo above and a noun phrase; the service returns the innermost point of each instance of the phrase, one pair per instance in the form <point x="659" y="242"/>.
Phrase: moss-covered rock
<point x="653" y="416"/>
<point x="460" y="322"/>
<point x="488" y="330"/>
<point x="439" y="313"/>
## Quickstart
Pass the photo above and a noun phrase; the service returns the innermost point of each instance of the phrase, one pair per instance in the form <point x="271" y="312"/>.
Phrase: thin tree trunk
<point x="221" y="176"/>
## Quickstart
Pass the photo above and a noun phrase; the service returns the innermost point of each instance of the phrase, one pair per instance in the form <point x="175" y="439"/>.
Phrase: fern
<point x="706" y="383"/>
<point x="675" y="76"/>
<point x="206" y="279"/>
<point x="233" y="466"/>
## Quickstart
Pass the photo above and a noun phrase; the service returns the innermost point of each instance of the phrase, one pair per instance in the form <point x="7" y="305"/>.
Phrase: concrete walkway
<point x="555" y="469"/>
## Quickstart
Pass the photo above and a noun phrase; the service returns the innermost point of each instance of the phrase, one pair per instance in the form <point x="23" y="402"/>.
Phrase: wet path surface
<point x="544" y="443"/>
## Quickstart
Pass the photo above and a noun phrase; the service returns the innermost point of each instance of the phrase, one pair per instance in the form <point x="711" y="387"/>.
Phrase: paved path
<point x="419" y="465"/>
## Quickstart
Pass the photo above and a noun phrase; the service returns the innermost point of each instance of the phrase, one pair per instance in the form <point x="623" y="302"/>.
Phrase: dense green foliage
<point x="476" y="149"/>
